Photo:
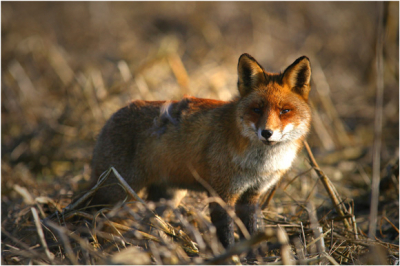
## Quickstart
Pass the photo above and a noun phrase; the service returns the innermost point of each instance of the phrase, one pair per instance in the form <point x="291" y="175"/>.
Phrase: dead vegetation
<point x="66" y="67"/>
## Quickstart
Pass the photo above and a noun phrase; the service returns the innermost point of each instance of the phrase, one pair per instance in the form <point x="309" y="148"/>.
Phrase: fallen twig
<point x="88" y="194"/>
<point x="394" y="227"/>
<point x="337" y="202"/>
<point x="321" y="236"/>
<point x="39" y="229"/>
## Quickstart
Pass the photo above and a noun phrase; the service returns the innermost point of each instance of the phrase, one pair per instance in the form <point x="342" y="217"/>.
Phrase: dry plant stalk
<point x="336" y="200"/>
<point x="111" y="224"/>
<point x="61" y="231"/>
<point x="30" y="253"/>
<point x="376" y="159"/>
<point x="158" y="222"/>
<point x="88" y="194"/>
<point x="317" y="230"/>
<point x="268" y="197"/>
<point x="285" y="247"/>
<point x="387" y="220"/>
<point x="321" y="236"/>
<point x="39" y="229"/>
<point x="179" y="71"/>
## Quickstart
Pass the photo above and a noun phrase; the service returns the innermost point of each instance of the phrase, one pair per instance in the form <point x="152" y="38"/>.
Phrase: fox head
<point x="273" y="108"/>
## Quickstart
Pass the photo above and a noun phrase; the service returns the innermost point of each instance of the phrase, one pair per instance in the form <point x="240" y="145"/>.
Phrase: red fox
<point x="240" y="148"/>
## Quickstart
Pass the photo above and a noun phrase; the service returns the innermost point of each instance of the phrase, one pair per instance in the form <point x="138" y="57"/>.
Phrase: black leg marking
<point x="224" y="224"/>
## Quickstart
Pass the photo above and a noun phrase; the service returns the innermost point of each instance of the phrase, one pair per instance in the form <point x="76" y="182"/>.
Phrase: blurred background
<point x="67" y="66"/>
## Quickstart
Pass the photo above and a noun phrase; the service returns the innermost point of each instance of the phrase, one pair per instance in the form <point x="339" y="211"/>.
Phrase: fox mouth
<point x="270" y="143"/>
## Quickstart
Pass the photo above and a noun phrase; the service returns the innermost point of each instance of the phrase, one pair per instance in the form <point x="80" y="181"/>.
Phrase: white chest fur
<point x="262" y="158"/>
<point x="261" y="165"/>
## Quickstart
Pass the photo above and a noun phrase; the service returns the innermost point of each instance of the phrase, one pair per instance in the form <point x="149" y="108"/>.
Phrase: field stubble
<point x="67" y="67"/>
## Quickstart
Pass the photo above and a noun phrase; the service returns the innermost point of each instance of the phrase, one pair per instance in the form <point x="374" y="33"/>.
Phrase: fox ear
<point x="250" y="74"/>
<point x="298" y="76"/>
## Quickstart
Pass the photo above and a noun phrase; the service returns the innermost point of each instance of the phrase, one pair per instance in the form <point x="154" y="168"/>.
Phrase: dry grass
<point x="66" y="67"/>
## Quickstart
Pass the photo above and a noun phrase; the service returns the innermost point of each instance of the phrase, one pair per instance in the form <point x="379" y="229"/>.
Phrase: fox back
<point x="240" y="148"/>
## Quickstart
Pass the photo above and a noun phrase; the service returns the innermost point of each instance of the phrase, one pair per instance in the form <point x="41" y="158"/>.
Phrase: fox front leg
<point x="246" y="209"/>
<point x="223" y="223"/>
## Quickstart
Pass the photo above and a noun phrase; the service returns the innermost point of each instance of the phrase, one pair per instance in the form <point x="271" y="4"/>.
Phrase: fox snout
<point x="267" y="133"/>
<point x="267" y="137"/>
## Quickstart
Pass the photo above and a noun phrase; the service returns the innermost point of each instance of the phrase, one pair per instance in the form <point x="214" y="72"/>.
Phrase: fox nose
<point x="267" y="133"/>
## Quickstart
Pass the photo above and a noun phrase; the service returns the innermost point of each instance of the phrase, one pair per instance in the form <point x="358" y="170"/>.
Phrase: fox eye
<point x="257" y="110"/>
<point x="284" y="111"/>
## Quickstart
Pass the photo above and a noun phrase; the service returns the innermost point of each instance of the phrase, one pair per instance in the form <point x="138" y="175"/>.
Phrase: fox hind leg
<point x="157" y="192"/>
